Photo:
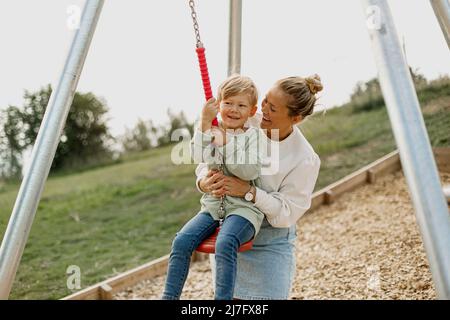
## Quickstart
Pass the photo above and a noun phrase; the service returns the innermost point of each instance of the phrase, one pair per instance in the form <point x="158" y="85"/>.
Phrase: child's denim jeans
<point x="234" y="231"/>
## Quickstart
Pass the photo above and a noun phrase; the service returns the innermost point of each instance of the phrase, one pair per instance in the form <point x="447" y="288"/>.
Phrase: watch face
<point x="248" y="196"/>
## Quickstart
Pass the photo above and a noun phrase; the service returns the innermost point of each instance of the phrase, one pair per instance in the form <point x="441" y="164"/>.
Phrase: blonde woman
<point x="267" y="271"/>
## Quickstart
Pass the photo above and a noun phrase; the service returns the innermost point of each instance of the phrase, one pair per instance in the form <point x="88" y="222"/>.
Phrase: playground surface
<point x="365" y="245"/>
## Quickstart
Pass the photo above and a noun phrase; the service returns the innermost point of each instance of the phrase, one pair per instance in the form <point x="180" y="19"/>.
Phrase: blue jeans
<point x="234" y="231"/>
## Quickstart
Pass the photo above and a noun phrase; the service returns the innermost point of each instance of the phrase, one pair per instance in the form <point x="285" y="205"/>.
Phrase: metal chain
<point x="222" y="199"/>
<point x="200" y="45"/>
<point x="196" y="27"/>
<point x="221" y="211"/>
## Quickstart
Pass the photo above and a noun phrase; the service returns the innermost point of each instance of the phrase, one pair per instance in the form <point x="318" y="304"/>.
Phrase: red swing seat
<point x="209" y="244"/>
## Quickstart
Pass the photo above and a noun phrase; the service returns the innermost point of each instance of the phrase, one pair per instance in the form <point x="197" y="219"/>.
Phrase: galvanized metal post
<point x="234" y="49"/>
<point x="44" y="149"/>
<point x="442" y="11"/>
<point x="412" y="140"/>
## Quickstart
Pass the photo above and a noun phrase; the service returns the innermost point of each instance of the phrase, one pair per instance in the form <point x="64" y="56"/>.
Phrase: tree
<point x="367" y="96"/>
<point x="85" y="137"/>
<point x="11" y="146"/>
<point x="176" y="122"/>
<point x="140" y="138"/>
<point x="419" y="79"/>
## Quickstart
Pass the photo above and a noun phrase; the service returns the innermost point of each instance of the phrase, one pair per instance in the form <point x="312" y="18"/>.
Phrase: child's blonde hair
<point x="302" y="93"/>
<point x="237" y="84"/>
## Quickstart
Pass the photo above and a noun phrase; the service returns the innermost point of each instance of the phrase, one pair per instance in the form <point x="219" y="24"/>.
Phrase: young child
<point x="233" y="149"/>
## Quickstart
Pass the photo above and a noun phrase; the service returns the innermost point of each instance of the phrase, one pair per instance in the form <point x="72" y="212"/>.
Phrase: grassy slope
<point x="111" y="219"/>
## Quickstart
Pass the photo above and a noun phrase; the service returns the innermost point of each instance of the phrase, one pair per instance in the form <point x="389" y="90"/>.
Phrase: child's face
<point x="235" y="111"/>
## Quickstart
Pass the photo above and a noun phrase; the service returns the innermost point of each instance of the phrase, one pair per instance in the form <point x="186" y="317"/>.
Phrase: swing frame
<point x="401" y="100"/>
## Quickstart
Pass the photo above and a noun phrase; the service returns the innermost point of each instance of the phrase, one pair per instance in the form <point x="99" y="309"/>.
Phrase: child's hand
<point x="210" y="110"/>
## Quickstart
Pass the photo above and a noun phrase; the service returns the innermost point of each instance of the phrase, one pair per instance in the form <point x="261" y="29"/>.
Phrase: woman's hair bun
<point x="314" y="83"/>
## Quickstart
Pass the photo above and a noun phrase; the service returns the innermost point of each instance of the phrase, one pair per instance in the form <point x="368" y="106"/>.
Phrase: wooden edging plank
<point x="442" y="158"/>
<point x="388" y="163"/>
<point x="368" y="174"/>
<point x="129" y="278"/>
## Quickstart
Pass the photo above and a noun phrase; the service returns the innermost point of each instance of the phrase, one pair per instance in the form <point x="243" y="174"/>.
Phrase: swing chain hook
<point x="196" y="27"/>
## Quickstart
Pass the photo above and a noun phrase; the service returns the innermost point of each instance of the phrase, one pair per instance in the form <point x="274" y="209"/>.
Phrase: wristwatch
<point x="250" y="195"/>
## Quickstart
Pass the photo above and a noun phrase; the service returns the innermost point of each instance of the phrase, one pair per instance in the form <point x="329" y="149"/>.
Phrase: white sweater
<point x="285" y="194"/>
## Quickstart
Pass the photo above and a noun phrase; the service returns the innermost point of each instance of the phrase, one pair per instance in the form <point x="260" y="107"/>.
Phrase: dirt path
<point x="364" y="246"/>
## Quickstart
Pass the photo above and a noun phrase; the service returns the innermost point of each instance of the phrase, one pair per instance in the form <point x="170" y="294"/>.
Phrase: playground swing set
<point x="416" y="155"/>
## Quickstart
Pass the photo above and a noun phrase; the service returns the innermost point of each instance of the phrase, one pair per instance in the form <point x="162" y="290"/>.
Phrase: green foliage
<point x="368" y="96"/>
<point x="85" y="138"/>
<point x="11" y="146"/>
<point x="145" y="135"/>
<point x="178" y="127"/>
<point x="140" y="137"/>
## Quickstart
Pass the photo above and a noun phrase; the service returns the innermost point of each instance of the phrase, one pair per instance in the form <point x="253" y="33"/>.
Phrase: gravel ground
<point x="366" y="245"/>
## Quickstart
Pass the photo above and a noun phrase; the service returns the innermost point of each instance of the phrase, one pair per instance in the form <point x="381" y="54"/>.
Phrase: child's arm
<point x="202" y="147"/>
<point x="242" y="155"/>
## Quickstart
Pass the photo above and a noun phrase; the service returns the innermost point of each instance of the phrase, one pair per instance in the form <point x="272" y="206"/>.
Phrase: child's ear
<point x="253" y="111"/>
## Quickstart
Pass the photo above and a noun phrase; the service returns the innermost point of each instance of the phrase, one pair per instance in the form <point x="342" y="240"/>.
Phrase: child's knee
<point x="226" y="243"/>
<point x="182" y="242"/>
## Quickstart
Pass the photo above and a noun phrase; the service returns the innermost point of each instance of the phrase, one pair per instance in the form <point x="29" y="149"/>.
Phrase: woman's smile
<point x="266" y="118"/>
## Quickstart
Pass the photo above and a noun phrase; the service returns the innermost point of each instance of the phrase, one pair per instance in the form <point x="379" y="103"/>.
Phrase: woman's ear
<point x="297" y="119"/>
<point x="253" y="111"/>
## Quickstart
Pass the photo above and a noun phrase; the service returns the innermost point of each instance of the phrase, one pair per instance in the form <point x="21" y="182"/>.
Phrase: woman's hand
<point x="219" y="185"/>
<point x="212" y="182"/>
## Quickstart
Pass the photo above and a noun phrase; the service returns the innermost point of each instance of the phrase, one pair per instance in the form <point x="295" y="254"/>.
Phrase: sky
<point x="142" y="58"/>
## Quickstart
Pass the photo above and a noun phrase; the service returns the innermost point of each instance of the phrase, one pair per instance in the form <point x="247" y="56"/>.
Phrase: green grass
<point x="105" y="221"/>
<point x="113" y="218"/>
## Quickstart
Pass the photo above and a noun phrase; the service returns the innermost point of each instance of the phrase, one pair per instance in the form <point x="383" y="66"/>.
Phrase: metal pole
<point x="442" y="11"/>
<point x="234" y="49"/>
<point x="19" y="225"/>
<point x="412" y="140"/>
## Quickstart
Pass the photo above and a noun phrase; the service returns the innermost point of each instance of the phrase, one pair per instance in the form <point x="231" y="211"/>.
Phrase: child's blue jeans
<point x="234" y="231"/>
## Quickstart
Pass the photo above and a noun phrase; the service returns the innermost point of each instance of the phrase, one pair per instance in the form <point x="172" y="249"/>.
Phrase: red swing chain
<point x="202" y="59"/>
<point x="208" y="245"/>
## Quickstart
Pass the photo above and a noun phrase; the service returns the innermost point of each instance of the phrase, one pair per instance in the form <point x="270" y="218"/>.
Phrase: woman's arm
<point x="285" y="207"/>
<point x="201" y="171"/>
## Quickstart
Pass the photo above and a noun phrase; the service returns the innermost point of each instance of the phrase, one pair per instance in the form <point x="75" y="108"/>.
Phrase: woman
<point x="267" y="270"/>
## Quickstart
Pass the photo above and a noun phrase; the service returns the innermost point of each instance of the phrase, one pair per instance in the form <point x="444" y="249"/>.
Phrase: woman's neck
<point x="282" y="134"/>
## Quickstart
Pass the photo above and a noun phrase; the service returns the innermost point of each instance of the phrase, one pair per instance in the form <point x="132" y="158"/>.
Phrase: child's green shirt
<point x="241" y="157"/>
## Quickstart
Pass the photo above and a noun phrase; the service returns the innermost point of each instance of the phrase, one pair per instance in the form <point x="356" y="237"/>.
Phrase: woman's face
<point x="276" y="113"/>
